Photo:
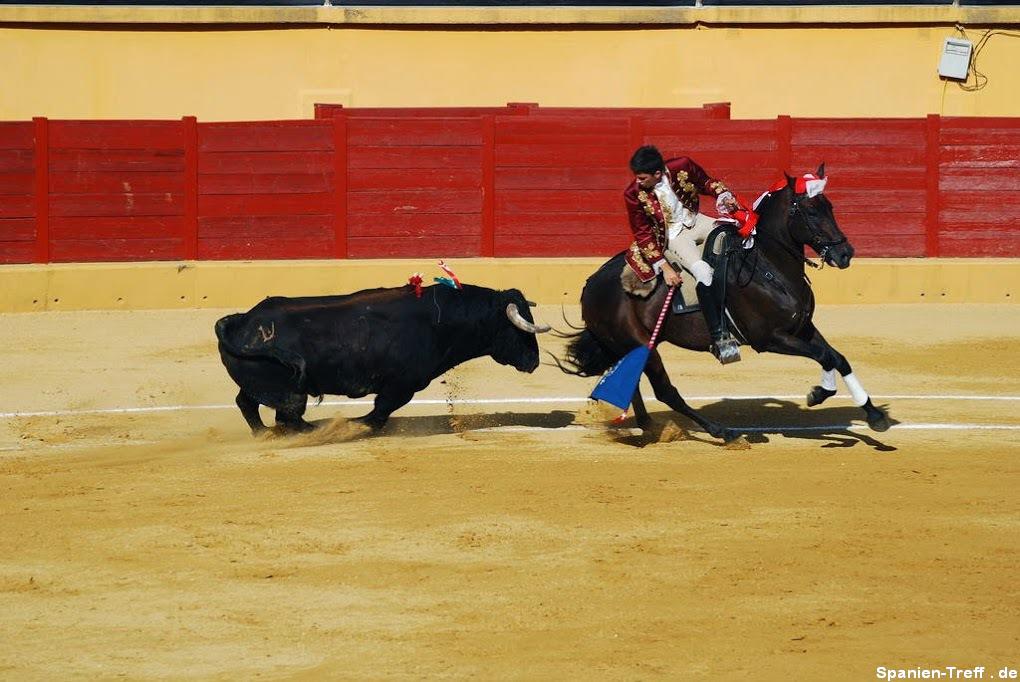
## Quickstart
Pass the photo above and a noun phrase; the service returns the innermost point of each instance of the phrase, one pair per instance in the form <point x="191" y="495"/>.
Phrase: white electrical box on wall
<point x="955" y="58"/>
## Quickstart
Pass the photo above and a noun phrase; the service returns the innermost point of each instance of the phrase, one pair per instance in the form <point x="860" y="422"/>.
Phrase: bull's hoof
<point x="818" y="395"/>
<point x="299" y="426"/>
<point x="878" y="420"/>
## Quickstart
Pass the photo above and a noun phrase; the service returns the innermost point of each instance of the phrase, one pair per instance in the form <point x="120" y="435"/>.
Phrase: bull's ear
<point x="821" y="171"/>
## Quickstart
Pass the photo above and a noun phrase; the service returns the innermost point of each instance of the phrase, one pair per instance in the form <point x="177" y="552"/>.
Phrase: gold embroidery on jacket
<point x="717" y="187"/>
<point x="637" y="259"/>
<point x="646" y="203"/>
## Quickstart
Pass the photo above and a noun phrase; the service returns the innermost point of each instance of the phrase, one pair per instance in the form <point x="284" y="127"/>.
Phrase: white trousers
<point x="684" y="247"/>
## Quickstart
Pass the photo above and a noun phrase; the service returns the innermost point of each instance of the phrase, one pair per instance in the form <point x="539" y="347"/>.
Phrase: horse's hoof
<point x="818" y="395"/>
<point x="878" y="420"/>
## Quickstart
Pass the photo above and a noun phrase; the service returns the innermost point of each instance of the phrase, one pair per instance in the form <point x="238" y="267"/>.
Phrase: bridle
<point x="817" y="241"/>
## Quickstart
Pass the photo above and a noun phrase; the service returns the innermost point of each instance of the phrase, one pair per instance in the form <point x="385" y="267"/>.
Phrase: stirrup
<point x="726" y="350"/>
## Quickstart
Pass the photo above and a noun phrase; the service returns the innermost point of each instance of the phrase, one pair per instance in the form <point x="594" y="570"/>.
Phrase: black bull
<point x="387" y="342"/>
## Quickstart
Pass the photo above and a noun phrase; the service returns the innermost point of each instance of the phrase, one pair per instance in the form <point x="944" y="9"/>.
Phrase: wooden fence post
<point x="784" y="143"/>
<point x="932" y="208"/>
<point x="339" y="122"/>
<point x="488" y="242"/>
<point x="189" y="125"/>
<point x="42" y="189"/>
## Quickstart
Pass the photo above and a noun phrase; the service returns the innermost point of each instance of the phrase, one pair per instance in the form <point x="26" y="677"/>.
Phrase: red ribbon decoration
<point x="415" y="281"/>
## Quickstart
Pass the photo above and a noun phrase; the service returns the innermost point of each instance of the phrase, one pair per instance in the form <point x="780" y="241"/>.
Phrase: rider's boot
<point x="724" y="346"/>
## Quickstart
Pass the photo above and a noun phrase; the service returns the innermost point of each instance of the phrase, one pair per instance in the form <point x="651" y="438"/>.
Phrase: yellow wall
<point x="211" y="284"/>
<point x="820" y="62"/>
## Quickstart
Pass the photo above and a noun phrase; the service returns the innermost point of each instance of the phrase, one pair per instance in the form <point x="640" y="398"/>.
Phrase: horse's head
<point x="811" y="221"/>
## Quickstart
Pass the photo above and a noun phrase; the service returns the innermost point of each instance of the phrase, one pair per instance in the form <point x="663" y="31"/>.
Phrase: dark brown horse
<point x="767" y="294"/>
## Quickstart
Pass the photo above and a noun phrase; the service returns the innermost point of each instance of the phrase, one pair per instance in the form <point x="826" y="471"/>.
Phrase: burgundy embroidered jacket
<point x="647" y="222"/>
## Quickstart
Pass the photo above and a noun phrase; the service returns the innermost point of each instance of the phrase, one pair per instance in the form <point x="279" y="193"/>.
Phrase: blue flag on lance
<point x="617" y="386"/>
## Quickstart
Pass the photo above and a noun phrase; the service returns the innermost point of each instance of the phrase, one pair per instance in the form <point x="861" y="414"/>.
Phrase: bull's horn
<point x="514" y="315"/>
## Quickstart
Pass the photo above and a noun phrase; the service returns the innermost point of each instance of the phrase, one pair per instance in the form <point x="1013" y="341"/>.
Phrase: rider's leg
<point x="684" y="248"/>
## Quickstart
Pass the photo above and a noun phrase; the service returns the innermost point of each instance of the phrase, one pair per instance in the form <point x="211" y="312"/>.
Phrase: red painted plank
<point x="264" y="204"/>
<point x="115" y="160"/>
<point x="979" y="134"/>
<point x="539" y="140"/>
<point x="265" y="162"/>
<point x="254" y="248"/>
<point x="979" y="246"/>
<point x="85" y="228"/>
<point x="559" y="246"/>
<point x="558" y="155"/>
<point x="107" y="182"/>
<point x="17" y="160"/>
<point x="956" y="178"/>
<point x="385" y="132"/>
<point x="521" y="127"/>
<point x="115" y="250"/>
<point x="108" y="135"/>
<point x="161" y="204"/>
<point x="981" y="156"/>
<point x="411" y="202"/>
<point x="17" y="206"/>
<point x="696" y="144"/>
<point x="577" y="224"/>
<point x="266" y="183"/>
<point x="907" y="246"/>
<point x="266" y="136"/>
<point x="17" y="229"/>
<point x="17" y="183"/>
<point x="869" y="225"/>
<point x="406" y="159"/>
<point x="974" y="122"/>
<point x="415" y="225"/>
<point x="316" y="227"/>
<point x="858" y="131"/>
<point x="564" y="201"/>
<point x="1001" y="204"/>
<point x="888" y="158"/>
<point x="16" y="135"/>
<point x="417" y="178"/>
<point x="555" y="179"/>
<point x="425" y="247"/>
<point x="17" y="252"/>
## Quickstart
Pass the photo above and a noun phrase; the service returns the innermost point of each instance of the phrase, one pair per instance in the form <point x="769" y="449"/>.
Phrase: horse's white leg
<point x="825" y="389"/>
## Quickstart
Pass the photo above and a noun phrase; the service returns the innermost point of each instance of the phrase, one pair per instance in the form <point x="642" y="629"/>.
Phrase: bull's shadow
<point x="440" y="424"/>
<point x="756" y="419"/>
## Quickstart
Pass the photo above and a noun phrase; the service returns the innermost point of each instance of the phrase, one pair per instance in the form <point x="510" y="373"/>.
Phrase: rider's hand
<point x="726" y="203"/>
<point x="671" y="276"/>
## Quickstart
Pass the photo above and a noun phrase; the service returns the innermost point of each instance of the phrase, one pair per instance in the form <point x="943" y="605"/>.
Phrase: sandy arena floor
<point x="510" y="540"/>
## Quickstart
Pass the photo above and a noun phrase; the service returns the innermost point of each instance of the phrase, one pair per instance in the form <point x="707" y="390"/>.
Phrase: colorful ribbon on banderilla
<point x="451" y="281"/>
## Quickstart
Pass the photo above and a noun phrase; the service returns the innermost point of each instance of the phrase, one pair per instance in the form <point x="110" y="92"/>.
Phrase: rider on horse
<point x="662" y="206"/>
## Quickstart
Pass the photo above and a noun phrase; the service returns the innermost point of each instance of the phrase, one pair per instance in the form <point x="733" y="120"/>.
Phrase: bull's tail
<point x="585" y="356"/>
<point x="227" y="326"/>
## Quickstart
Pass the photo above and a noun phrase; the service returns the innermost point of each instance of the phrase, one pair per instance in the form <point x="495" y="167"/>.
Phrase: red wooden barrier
<point x="979" y="187"/>
<point x="520" y="180"/>
<point x="18" y="187"/>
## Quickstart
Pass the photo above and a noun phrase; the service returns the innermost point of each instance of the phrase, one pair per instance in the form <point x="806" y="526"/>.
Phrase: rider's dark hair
<point x="647" y="159"/>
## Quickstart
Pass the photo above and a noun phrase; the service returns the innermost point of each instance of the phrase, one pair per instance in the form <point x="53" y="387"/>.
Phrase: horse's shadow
<point x="758" y="418"/>
<point x="753" y="419"/>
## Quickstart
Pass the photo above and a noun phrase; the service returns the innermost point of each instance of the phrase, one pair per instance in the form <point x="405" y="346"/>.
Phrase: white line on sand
<point x="483" y="401"/>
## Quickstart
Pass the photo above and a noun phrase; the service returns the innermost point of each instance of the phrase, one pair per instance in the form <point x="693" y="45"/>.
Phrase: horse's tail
<point x="585" y="356"/>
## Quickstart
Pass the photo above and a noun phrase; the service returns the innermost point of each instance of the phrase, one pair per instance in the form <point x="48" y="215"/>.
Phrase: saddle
<point x="715" y="251"/>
